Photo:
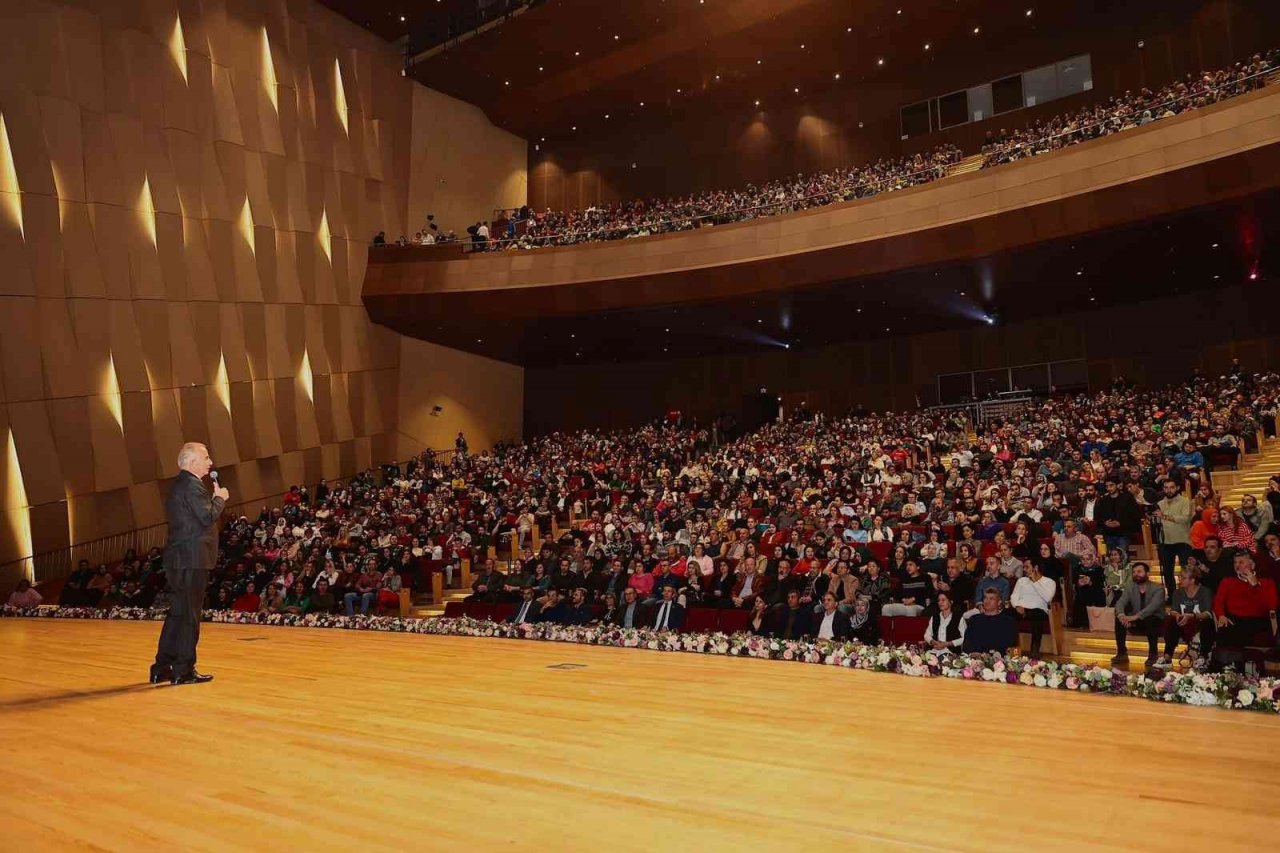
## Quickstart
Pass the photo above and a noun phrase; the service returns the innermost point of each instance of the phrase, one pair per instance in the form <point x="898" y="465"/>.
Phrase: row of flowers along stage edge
<point x="1224" y="690"/>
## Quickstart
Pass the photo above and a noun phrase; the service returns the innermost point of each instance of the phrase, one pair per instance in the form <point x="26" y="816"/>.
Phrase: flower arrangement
<point x="1224" y="690"/>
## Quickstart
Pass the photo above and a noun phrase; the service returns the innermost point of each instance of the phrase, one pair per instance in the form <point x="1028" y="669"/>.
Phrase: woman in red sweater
<point x="249" y="601"/>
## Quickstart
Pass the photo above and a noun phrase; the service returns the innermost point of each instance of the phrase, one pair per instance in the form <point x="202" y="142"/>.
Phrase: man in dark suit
<point x="792" y="620"/>
<point x="554" y="610"/>
<point x="630" y="613"/>
<point x="189" y="555"/>
<point x="487" y="587"/>
<point x="528" y="608"/>
<point x="668" y="614"/>
<point x="579" y="611"/>
<point x="831" y="624"/>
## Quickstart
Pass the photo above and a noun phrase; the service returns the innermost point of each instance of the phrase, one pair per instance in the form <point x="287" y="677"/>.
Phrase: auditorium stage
<point x="312" y="738"/>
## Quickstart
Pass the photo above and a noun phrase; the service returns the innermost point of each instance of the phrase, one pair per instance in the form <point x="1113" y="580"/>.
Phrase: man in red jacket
<point x="1245" y="605"/>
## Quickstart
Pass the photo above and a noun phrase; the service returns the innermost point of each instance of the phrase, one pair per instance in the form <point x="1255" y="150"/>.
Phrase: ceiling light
<point x="402" y="19"/>
<point x="758" y="61"/>
<point x="880" y="61"/>
<point x="633" y="165"/>
<point x="717" y="76"/>
<point x="539" y="67"/>
<point x="849" y="29"/>
<point x="1028" y="13"/>
<point x="575" y="127"/>
<point x="1215" y="245"/>
<point x="678" y="91"/>
<point x="837" y="75"/>
<point x="757" y="103"/>
<point x="606" y="115"/>
<point x="1253" y="276"/>
<point x="977" y="30"/>
<point x="579" y="53"/>
<point x="899" y="11"/>
<point x="506" y="82"/>
<point x="802" y="47"/>
<point x="797" y="90"/>
<point x="927" y="45"/>
<point x="543" y="139"/>
<point x="642" y="103"/>
<point x="615" y="38"/>
<point x="1079" y="272"/>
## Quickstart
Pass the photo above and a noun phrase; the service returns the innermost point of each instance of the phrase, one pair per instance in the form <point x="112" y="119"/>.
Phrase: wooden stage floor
<point x="314" y="738"/>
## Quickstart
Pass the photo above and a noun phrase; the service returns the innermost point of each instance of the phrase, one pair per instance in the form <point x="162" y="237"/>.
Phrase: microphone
<point x="213" y="475"/>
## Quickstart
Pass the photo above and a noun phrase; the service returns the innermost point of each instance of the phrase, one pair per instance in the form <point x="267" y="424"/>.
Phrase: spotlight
<point x="1253" y="276"/>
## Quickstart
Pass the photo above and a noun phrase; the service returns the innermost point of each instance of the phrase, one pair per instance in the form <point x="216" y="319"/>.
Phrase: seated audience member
<point x="784" y="584"/>
<point x="1244" y="605"/>
<point x="864" y="626"/>
<point x="1089" y="589"/>
<point x="134" y="595"/>
<point x="366" y="590"/>
<point x="273" y="601"/>
<point x="1011" y="565"/>
<point x="1268" y="559"/>
<point x="792" y="620"/>
<point x="1116" y="574"/>
<point x="554" y="608"/>
<point x="389" y="590"/>
<point x="1071" y="543"/>
<point x="321" y="599"/>
<point x="831" y="624"/>
<point x="1190" y="614"/>
<point x="487" y="587"/>
<point x="945" y="632"/>
<point x="958" y="586"/>
<point x="528" y="608"/>
<point x="641" y="581"/>
<point x="669" y="615"/>
<point x="749" y="584"/>
<point x="25" y="595"/>
<point x="99" y="586"/>
<point x="609" y="611"/>
<point x="578" y="612"/>
<point x="1139" y="607"/>
<point x="991" y="579"/>
<point x="758" y="624"/>
<point x="630" y="613"/>
<point x="1259" y="516"/>
<point x="1213" y="562"/>
<point x="1032" y="600"/>
<point x="913" y="592"/>
<point x="249" y="601"/>
<point x="1204" y="527"/>
<point x="874" y="585"/>
<point x="990" y="628"/>
<point x="297" y="601"/>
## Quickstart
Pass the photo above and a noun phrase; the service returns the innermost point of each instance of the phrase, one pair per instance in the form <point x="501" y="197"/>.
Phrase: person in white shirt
<point x="945" y="632"/>
<point x="1032" y="599"/>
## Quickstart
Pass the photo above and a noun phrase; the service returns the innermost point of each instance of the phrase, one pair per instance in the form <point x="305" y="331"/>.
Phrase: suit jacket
<point x="801" y="622"/>
<point x="558" y="614"/>
<point x="638" y="617"/>
<point x="759" y="585"/>
<point x="534" y="609"/>
<point x="580" y="615"/>
<point x="675" y="619"/>
<point x="840" y="629"/>
<point x="192" y="512"/>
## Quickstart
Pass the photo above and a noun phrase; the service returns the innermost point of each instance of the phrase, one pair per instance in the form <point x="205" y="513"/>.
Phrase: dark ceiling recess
<point x="541" y="67"/>
<point x="1198" y="250"/>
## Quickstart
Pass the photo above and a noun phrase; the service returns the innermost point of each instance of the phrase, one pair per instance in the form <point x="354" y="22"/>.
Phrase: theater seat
<point x="455" y="610"/>
<point x="733" y="621"/>
<point x="703" y="619"/>
<point x="502" y="612"/>
<point x="909" y="629"/>
<point x="880" y="550"/>
<point x="479" y="611"/>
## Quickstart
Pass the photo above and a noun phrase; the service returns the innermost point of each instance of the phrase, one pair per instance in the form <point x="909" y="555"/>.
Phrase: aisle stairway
<point x="969" y="164"/>
<point x="1251" y="478"/>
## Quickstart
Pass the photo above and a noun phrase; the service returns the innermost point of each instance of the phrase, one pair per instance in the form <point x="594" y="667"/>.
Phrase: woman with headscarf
<point x="863" y="624"/>
<point x="1116" y="573"/>
<point x="1050" y="566"/>
<point x="1206" y="525"/>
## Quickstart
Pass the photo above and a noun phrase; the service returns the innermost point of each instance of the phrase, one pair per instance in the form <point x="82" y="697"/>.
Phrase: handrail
<point x="686" y="222"/>
<point x="994" y="150"/>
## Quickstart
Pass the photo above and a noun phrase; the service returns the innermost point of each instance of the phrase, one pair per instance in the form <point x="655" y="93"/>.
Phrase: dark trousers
<point x="181" y="631"/>
<point x="1244" y="630"/>
<point x="1038" y="619"/>
<point x="1174" y="632"/>
<point x="1167" y="553"/>
<point x="1149" y="626"/>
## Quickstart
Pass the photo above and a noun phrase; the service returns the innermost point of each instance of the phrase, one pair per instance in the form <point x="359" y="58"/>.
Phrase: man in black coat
<point x="189" y="555"/>
<point x="668" y="614"/>
<point x="1118" y="516"/>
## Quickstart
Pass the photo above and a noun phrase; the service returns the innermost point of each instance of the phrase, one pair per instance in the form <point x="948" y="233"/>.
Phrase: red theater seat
<point x="502" y="612"/>
<point x="480" y="611"/>
<point x="702" y="619"/>
<point x="733" y="621"/>
<point x="455" y="610"/>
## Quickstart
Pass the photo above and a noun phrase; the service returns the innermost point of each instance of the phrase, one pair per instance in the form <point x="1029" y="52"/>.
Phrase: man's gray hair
<point x="188" y="453"/>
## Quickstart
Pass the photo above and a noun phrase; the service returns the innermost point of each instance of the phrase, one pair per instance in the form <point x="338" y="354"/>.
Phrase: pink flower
<point x="788" y="655"/>
<point x="967" y="672"/>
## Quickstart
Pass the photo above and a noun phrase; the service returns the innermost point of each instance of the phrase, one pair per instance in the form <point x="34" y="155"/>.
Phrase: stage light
<point x="977" y="30"/>
<point x="1253" y="276"/>
<point x="837" y="75"/>
<point x="880" y="61"/>
<point x="1028" y="13"/>
<point x="402" y="19"/>
<point x="927" y="45"/>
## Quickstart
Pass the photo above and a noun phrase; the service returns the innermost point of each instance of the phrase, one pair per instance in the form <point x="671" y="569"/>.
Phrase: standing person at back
<point x="189" y="555"/>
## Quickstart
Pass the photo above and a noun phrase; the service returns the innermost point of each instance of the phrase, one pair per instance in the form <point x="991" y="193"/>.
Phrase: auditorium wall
<point x="854" y="123"/>
<point x="1151" y="343"/>
<point x="462" y="167"/>
<point x="187" y="191"/>
<point x="445" y="391"/>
